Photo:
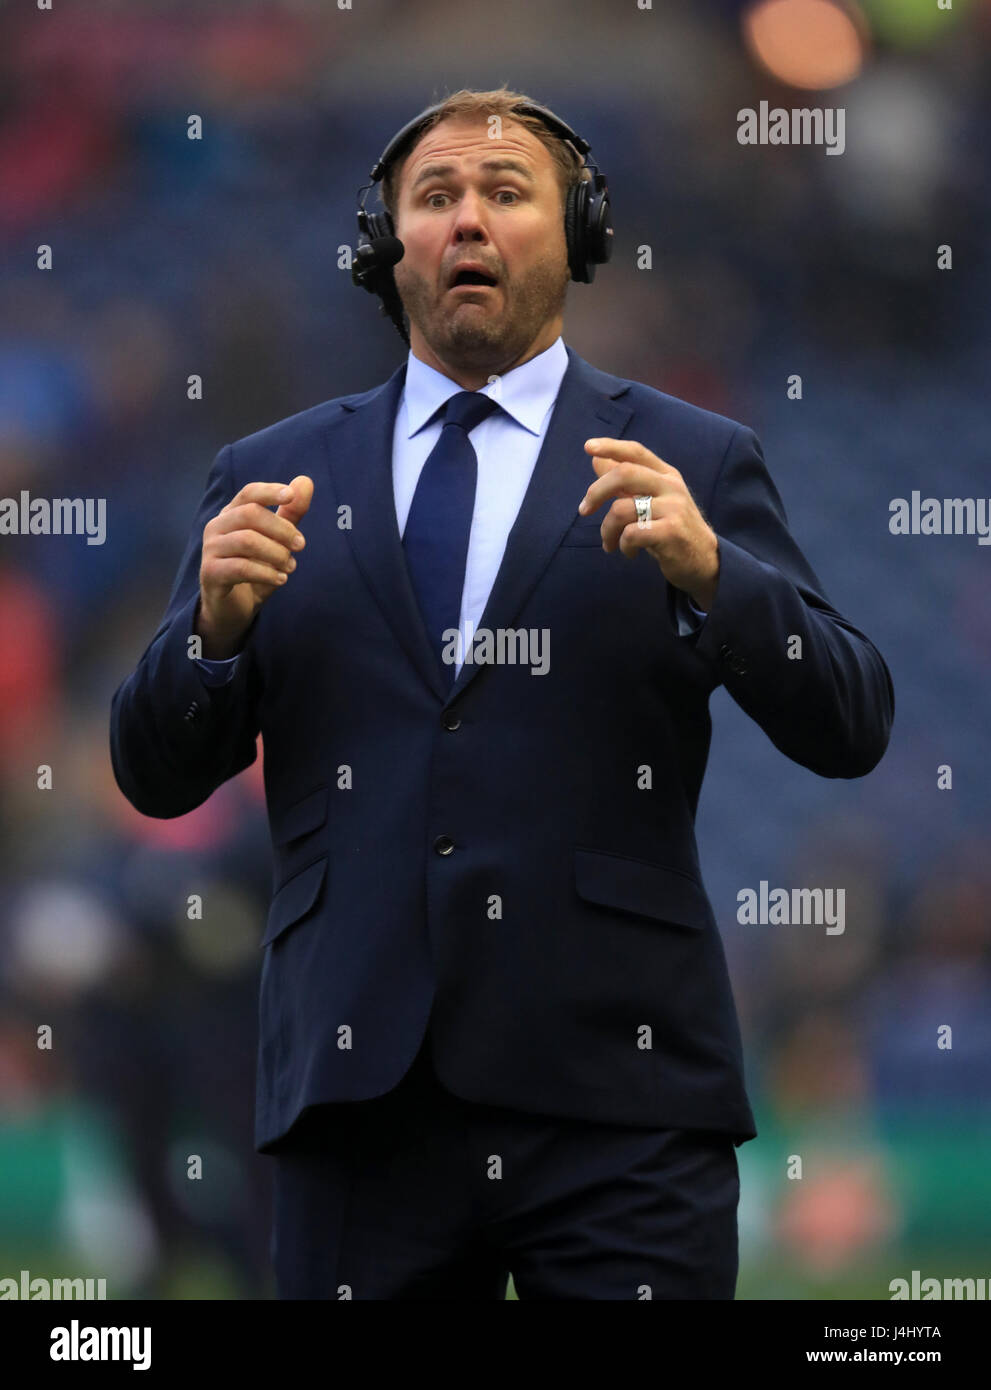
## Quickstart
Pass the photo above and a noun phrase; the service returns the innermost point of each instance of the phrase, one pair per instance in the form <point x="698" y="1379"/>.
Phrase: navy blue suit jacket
<point x="488" y="858"/>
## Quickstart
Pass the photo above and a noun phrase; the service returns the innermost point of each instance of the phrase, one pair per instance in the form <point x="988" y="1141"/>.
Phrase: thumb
<point x="302" y="496"/>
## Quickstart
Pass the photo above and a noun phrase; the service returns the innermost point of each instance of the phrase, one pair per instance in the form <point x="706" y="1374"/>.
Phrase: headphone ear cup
<point x="573" y="212"/>
<point x="599" y="229"/>
<point x="379" y="224"/>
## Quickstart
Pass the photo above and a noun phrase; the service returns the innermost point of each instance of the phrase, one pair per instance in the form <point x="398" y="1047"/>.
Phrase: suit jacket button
<point x="192" y="714"/>
<point x="725" y="652"/>
<point x="739" y="667"/>
<point x="450" y="720"/>
<point x="444" y="844"/>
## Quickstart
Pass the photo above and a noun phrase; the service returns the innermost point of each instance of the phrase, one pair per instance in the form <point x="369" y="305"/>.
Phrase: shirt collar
<point x="526" y="393"/>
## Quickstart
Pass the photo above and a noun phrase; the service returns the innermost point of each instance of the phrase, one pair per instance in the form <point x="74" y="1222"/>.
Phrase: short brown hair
<point x="568" y="164"/>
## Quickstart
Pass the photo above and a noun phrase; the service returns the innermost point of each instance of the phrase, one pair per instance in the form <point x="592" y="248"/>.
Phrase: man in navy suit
<point x="496" y="1027"/>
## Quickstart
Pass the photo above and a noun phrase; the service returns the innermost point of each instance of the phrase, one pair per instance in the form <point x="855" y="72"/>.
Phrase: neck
<point x="472" y="376"/>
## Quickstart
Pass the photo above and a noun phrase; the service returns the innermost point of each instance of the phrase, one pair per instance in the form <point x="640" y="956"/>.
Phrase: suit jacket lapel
<point x="360" y="459"/>
<point x="360" y="449"/>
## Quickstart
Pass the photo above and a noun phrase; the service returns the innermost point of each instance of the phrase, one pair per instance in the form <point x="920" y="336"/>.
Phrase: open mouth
<point x="475" y="278"/>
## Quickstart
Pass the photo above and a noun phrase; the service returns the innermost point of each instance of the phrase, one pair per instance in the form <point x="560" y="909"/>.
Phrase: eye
<point x="428" y="198"/>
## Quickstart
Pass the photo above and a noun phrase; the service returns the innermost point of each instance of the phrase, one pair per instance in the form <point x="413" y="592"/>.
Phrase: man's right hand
<point x="247" y="554"/>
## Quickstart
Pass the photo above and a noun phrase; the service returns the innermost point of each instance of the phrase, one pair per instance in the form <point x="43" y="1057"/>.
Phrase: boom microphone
<point x="380" y="254"/>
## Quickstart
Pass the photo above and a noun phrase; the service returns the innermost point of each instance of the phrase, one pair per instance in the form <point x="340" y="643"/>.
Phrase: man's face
<point x="454" y="207"/>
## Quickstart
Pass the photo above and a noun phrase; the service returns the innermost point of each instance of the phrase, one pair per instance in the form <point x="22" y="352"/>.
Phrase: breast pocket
<point x="657" y="891"/>
<point x="300" y="817"/>
<point x="586" y="531"/>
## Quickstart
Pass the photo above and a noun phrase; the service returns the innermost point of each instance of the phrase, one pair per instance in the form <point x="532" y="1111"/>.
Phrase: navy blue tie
<point x="439" y="523"/>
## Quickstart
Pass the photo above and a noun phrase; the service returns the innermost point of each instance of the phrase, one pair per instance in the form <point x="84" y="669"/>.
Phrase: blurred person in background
<point x="497" y="1033"/>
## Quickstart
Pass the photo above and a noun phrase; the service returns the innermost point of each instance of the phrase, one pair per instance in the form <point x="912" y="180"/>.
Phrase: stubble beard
<point x="479" y="337"/>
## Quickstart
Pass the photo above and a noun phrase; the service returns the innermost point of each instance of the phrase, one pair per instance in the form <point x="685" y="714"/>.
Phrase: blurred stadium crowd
<point x="220" y="257"/>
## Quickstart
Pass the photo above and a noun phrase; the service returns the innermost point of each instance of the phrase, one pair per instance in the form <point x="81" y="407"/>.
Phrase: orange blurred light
<point x="807" y="43"/>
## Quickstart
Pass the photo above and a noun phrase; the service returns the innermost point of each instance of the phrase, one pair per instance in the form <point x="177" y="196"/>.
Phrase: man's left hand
<point x="677" y="536"/>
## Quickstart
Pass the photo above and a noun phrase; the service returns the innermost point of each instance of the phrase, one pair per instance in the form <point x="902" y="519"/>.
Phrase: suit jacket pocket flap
<point x="634" y="885"/>
<point x="294" y="899"/>
<point x="586" y="531"/>
<point x="304" y="815"/>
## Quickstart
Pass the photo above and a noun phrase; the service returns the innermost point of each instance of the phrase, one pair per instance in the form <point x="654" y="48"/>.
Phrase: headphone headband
<point x="405" y="137"/>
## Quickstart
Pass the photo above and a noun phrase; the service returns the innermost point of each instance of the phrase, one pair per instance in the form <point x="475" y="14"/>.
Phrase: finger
<point x="633" y="538"/>
<point x="265" y="493"/>
<point x="627" y="451"/>
<point x="240" y="570"/>
<point x="620" y="515"/>
<point x="627" y="478"/>
<point x="254" y="546"/>
<point x="297" y="504"/>
<point x="255" y="516"/>
<point x="622" y="519"/>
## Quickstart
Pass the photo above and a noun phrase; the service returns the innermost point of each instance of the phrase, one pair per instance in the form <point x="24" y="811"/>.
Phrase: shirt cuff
<point x="215" y="673"/>
<point x="690" y="618"/>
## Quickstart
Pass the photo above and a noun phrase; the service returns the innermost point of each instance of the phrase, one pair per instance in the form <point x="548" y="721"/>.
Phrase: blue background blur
<point x="220" y="257"/>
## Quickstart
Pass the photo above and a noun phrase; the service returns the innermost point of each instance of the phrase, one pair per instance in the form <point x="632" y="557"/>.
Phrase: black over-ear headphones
<point x="587" y="218"/>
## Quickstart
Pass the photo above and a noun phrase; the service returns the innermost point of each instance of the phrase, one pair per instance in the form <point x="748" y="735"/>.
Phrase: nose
<point x="469" y="224"/>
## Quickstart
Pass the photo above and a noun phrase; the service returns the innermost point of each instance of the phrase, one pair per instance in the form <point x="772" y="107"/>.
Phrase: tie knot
<point x="468" y="409"/>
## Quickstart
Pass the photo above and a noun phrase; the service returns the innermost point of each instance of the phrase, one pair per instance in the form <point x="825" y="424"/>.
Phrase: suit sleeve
<point x="173" y="738"/>
<point x="815" y="684"/>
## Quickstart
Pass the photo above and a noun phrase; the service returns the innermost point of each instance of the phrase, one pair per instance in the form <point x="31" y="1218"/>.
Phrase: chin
<point x="465" y="335"/>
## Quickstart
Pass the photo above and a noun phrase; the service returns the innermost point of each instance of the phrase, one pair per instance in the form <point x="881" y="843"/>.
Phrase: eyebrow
<point x="439" y="171"/>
